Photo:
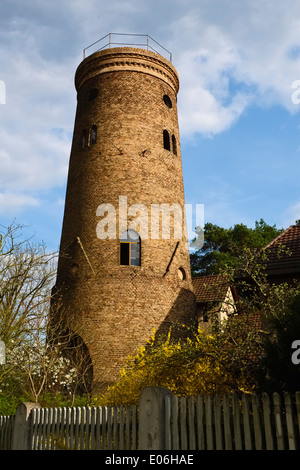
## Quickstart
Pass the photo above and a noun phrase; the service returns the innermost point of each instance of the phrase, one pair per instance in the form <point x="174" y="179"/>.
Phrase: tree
<point x="224" y="248"/>
<point x="278" y="370"/>
<point x="39" y="367"/>
<point x="27" y="274"/>
<point x="26" y="277"/>
<point x="35" y="363"/>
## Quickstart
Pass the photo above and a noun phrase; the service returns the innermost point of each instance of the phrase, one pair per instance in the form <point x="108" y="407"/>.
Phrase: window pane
<point x="125" y="237"/>
<point x="133" y="235"/>
<point x="135" y="254"/>
<point x="124" y="255"/>
<point x="130" y="236"/>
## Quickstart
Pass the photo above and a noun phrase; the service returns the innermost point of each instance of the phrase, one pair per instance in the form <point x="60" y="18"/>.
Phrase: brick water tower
<point x="124" y="266"/>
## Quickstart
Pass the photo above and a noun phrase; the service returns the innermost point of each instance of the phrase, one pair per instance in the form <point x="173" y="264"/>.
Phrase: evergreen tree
<point x="224" y="248"/>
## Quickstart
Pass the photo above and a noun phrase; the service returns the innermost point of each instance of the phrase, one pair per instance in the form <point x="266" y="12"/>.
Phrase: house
<point x="283" y="256"/>
<point x="214" y="296"/>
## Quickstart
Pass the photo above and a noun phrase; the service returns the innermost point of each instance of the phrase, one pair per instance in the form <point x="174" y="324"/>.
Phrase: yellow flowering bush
<point x="202" y="364"/>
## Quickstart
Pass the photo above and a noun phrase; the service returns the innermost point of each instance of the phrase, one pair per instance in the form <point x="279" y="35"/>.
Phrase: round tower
<point x="124" y="266"/>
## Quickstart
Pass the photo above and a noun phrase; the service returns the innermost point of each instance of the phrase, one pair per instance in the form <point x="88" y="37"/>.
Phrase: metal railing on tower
<point x="136" y="40"/>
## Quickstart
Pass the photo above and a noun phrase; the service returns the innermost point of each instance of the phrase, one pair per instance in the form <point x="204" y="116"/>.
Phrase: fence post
<point x="152" y="431"/>
<point x="21" y="439"/>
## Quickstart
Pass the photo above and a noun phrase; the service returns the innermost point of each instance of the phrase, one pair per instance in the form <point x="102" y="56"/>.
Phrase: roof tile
<point x="283" y="252"/>
<point x="210" y="288"/>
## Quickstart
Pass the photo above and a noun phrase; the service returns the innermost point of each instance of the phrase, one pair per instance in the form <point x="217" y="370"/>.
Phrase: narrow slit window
<point x="174" y="145"/>
<point x="130" y="249"/>
<point x="93" y="135"/>
<point x="84" y="138"/>
<point x="166" y="138"/>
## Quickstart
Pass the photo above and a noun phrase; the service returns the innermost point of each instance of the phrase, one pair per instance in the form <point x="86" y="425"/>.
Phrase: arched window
<point x="174" y="145"/>
<point x="166" y="137"/>
<point x="93" y="135"/>
<point x="130" y="249"/>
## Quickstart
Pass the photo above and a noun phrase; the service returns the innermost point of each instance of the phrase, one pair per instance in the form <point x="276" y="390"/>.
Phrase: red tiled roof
<point x="279" y="260"/>
<point x="210" y="288"/>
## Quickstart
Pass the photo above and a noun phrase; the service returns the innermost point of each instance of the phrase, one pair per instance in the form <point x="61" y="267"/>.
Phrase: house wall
<point x="221" y="309"/>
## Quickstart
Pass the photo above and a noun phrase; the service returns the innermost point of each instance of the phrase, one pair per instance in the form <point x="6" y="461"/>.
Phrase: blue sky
<point x="239" y="127"/>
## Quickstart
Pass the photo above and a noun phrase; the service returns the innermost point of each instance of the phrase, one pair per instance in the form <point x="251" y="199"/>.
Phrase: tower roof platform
<point x="143" y="41"/>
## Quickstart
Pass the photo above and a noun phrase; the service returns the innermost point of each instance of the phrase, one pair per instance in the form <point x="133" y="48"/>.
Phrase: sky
<point x="238" y="103"/>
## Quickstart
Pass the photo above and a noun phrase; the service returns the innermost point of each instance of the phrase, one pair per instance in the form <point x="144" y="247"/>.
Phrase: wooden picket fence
<point x="6" y="431"/>
<point x="164" y="421"/>
<point x="233" y="422"/>
<point x="103" y="428"/>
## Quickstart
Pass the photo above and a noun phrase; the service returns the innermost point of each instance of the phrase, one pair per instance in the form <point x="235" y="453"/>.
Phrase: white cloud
<point x="232" y="54"/>
<point x="36" y="121"/>
<point x="12" y="202"/>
